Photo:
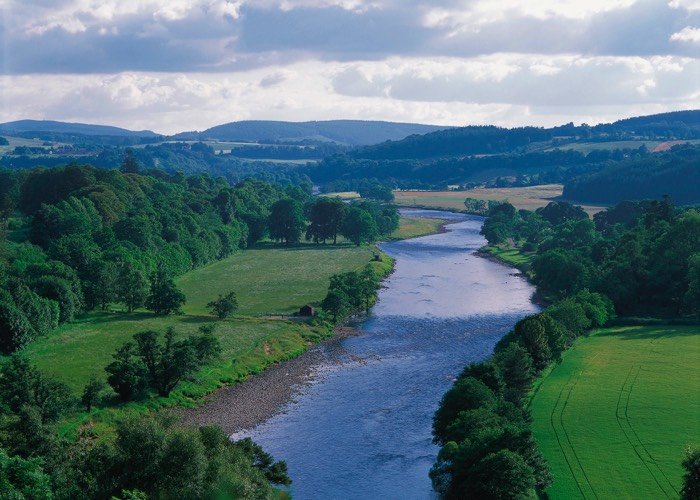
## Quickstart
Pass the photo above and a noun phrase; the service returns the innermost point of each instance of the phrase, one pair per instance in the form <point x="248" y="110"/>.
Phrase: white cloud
<point x="687" y="34"/>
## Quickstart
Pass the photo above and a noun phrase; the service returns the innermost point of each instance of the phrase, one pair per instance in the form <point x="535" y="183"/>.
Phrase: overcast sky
<point x="174" y="65"/>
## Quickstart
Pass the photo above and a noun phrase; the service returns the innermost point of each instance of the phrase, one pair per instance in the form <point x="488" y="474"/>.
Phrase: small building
<point x="307" y="310"/>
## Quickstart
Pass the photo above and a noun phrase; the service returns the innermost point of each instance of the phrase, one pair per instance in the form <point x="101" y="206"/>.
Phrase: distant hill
<point x="23" y="127"/>
<point x="484" y="140"/>
<point x="349" y="132"/>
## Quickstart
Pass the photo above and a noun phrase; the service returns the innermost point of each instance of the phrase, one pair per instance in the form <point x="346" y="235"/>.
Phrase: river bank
<point x="367" y="397"/>
<point x="253" y="401"/>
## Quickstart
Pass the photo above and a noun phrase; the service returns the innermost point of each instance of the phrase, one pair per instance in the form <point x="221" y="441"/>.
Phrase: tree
<point x="325" y="219"/>
<point x="692" y="295"/>
<point x="23" y="478"/>
<point x="336" y="303"/>
<point x="517" y="369"/>
<point x="467" y="393"/>
<point x="129" y="163"/>
<point x="691" y="478"/>
<point x="286" y="221"/>
<point x="359" y="226"/>
<point x="91" y="393"/>
<point x="131" y="286"/>
<point x="127" y="373"/>
<point x="165" y="297"/>
<point x="224" y="306"/>
<point x="532" y="333"/>
<point x="504" y="474"/>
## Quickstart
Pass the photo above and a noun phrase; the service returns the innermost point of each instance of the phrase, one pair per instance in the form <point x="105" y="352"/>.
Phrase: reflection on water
<point x="362" y="429"/>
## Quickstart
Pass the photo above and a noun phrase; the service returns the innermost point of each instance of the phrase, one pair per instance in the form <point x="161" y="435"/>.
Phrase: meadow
<point x="614" y="418"/>
<point x="528" y="198"/>
<point x="270" y="282"/>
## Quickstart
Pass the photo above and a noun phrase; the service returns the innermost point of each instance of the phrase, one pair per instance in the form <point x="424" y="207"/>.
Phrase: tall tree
<point x="359" y="226"/>
<point x="325" y="219"/>
<point x="165" y="297"/>
<point x="131" y="286"/>
<point x="286" y="221"/>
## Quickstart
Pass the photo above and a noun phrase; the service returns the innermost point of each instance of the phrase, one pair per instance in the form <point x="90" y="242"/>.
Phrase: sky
<point x="177" y="65"/>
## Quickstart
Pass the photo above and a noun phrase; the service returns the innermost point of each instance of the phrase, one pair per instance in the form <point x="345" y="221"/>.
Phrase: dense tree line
<point x="675" y="173"/>
<point x="482" y="423"/>
<point x="351" y="293"/>
<point x="637" y="257"/>
<point x="173" y="461"/>
<point x="642" y="255"/>
<point x="343" y="172"/>
<point x="100" y="237"/>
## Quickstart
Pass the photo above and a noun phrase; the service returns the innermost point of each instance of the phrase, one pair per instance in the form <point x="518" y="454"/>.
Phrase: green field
<point x="266" y="280"/>
<point x="614" y="418"/>
<point x="413" y="227"/>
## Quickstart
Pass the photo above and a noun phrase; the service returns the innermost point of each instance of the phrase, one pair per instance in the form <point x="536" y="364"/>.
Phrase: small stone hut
<point x="307" y="310"/>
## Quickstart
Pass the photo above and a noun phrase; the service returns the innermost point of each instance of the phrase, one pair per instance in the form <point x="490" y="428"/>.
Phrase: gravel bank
<point x="250" y="403"/>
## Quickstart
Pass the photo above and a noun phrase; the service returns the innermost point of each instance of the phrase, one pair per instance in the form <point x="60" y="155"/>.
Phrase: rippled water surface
<point x="362" y="428"/>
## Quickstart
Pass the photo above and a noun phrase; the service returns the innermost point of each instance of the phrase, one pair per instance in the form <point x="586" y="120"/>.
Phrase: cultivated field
<point x="528" y="198"/>
<point x="613" y="419"/>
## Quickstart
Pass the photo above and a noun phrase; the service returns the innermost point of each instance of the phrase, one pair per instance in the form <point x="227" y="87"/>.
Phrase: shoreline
<point x="245" y="405"/>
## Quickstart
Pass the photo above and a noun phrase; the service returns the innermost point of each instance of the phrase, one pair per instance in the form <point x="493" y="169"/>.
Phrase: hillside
<point x="22" y="127"/>
<point x="675" y="173"/>
<point x="479" y="140"/>
<point x="349" y="132"/>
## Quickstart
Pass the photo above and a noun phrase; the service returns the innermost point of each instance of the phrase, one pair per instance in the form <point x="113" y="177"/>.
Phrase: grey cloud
<point x="266" y="35"/>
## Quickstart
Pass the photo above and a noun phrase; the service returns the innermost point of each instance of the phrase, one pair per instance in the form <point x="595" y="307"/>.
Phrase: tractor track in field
<point x="619" y="420"/>
<point x="566" y="435"/>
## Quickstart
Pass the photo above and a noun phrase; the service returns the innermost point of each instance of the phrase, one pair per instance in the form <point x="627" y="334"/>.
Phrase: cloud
<point x="163" y="63"/>
<point x="687" y="34"/>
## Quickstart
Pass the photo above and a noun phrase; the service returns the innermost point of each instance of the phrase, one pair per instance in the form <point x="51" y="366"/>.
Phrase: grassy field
<point x="413" y="227"/>
<point x="343" y="195"/>
<point x="528" y="198"/>
<point x="613" y="419"/>
<point x="266" y="280"/>
<point x="512" y="256"/>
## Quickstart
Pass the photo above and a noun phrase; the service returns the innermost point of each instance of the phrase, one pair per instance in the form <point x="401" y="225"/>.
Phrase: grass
<point x="266" y="280"/>
<point x="528" y="198"/>
<point x="613" y="419"/>
<point x="343" y="195"/>
<point x="413" y="227"/>
<point x="511" y="256"/>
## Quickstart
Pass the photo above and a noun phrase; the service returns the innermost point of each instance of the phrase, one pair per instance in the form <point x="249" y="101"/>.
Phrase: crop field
<point x="528" y="198"/>
<point x="614" y="418"/>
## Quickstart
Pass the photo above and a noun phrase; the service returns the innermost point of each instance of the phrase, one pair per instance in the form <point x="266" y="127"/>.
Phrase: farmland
<point x="528" y="198"/>
<point x="614" y="418"/>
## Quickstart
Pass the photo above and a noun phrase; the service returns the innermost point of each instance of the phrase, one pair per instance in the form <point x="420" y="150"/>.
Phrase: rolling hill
<point x="349" y="132"/>
<point x="23" y="127"/>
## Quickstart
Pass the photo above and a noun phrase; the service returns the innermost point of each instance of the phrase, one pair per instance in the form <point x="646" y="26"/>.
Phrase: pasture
<point x="614" y="418"/>
<point x="266" y="281"/>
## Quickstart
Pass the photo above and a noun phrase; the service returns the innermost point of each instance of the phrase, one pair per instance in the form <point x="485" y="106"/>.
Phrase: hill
<point x="349" y="132"/>
<point x="22" y="127"/>
<point x="481" y="140"/>
<point x="675" y="173"/>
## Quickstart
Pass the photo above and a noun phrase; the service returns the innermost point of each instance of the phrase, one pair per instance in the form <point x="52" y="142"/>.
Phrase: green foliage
<point x="91" y="393"/>
<point x="359" y="226"/>
<point x="173" y="462"/>
<point x="23" y="478"/>
<point x="325" y="219"/>
<point x="148" y="362"/>
<point x="164" y="297"/>
<point x="691" y="479"/>
<point x="224" y="306"/>
<point x="351" y="293"/>
<point x="287" y="220"/>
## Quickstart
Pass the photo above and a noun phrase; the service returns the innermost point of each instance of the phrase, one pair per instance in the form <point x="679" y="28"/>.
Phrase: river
<point x="361" y="429"/>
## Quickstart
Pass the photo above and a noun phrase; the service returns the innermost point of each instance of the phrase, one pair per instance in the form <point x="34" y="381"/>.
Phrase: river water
<point x="361" y="429"/>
